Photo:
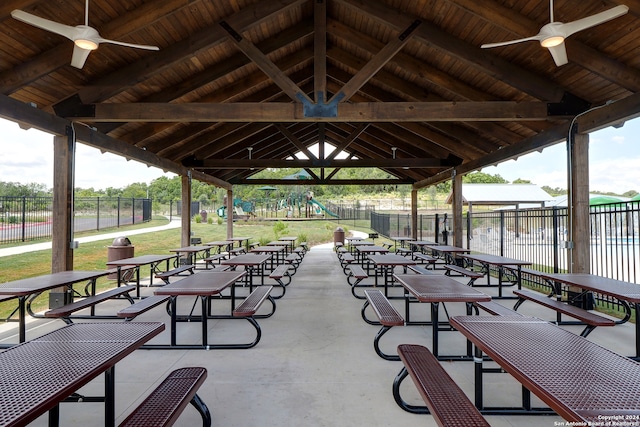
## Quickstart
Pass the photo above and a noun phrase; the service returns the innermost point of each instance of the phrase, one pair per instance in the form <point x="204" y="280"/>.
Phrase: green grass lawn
<point x="93" y="255"/>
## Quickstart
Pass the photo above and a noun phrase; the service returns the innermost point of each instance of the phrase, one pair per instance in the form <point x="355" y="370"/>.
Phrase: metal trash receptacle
<point x="338" y="235"/>
<point x="120" y="248"/>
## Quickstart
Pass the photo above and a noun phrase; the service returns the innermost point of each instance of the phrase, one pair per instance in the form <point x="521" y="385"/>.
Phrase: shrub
<point x="197" y="218"/>
<point x="210" y="220"/>
<point x="280" y="228"/>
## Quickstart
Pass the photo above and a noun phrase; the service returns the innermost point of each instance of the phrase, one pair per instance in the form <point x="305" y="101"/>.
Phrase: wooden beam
<point x="613" y="114"/>
<point x="59" y="56"/>
<point x="288" y="112"/>
<point x="520" y="26"/>
<point x="320" y="51"/>
<point x="31" y="117"/>
<point x="265" y="64"/>
<point x="249" y="181"/>
<point x="397" y="163"/>
<point x="295" y="141"/>
<point x="376" y="63"/>
<point x="429" y="34"/>
<point x="348" y="140"/>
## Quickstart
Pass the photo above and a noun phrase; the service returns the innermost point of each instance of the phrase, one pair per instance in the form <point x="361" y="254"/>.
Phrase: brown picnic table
<point x="581" y="381"/>
<point x="436" y="289"/>
<point x="39" y="374"/>
<point x="153" y="261"/>
<point x="27" y="290"/>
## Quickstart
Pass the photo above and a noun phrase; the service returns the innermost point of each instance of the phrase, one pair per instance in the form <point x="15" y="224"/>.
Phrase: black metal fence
<point x="536" y="235"/>
<point x="539" y="236"/>
<point x="25" y="219"/>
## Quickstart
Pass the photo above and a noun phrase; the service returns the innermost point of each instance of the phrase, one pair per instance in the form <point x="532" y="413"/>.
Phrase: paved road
<point x="15" y="250"/>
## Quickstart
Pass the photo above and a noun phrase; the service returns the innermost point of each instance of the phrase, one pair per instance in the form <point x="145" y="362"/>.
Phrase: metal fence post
<point x="24" y="219"/>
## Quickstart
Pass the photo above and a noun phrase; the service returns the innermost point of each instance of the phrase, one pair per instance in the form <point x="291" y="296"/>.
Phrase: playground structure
<point x="241" y="209"/>
<point x="295" y="205"/>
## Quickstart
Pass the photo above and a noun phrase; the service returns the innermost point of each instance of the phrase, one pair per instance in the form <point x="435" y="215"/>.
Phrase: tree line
<point x="166" y="190"/>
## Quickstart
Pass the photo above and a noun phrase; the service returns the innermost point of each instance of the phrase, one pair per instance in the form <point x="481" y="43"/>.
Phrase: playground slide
<point x="321" y="206"/>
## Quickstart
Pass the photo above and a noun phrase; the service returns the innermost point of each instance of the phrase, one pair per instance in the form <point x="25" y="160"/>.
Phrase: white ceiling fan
<point x="84" y="37"/>
<point x="553" y="34"/>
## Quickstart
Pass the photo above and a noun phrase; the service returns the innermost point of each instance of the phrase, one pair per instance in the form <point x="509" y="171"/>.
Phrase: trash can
<point x="338" y="235"/>
<point x="120" y="248"/>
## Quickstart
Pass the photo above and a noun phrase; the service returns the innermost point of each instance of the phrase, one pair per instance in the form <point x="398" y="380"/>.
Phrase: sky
<point x="26" y="156"/>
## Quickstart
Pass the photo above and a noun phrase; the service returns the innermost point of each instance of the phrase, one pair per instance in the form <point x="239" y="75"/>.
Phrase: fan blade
<point x="489" y="45"/>
<point x="79" y="57"/>
<point x="559" y="54"/>
<point x="45" y="24"/>
<point x="137" y="46"/>
<point x="593" y="20"/>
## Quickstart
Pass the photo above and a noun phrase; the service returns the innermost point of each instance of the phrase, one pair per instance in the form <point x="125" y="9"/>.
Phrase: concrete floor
<point x="315" y="364"/>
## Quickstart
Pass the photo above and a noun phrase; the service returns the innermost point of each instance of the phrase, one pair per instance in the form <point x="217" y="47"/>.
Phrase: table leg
<point x="478" y="370"/>
<point x="54" y="416"/>
<point x="109" y="397"/>
<point x="174" y="320"/>
<point x="22" y="326"/>
<point x="637" y="308"/>
<point x="204" y="317"/>
<point x="435" y="326"/>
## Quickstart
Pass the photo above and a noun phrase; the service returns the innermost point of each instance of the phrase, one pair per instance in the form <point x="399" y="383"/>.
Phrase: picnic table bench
<point x="141" y="306"/>
<point x="444" y="399"/>
<point x="472" y="275"/>
<point x="591" y="320"/>
<point x="205" y="286"/>
<point x="164" y="275"/>
<point x="495" y="308"/>
<point x="64" y="312"/>
<point x="355" y="276"/>
<point x="165" y="403"/>
<point x="279" y="274"/>
<point x="424" y="258"/>
<point x="387" y="315"/>
<point x="419" y="269"/>
<point x="216" y="257"/>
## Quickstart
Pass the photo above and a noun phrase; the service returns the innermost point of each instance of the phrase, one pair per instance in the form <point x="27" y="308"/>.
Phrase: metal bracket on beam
<point x="74" y="107"/>
<point x="569" y="105"/>
<point x="321" y="109"/>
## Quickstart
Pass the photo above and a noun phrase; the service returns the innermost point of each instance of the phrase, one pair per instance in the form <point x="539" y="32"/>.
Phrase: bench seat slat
<point x="386" y="313"/>
<point x="495" y="308"/>
<point x="167" y="402"/>
<point x="446" y="401"/>
<point x="579" y="313"/>
<point x="87" y="302"/>
<point x="463" y="271"/>
<point x="142" y="306"/>
<point x="252" y="303"/>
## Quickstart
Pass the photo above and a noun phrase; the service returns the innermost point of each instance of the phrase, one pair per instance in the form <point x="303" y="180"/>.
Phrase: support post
<point x="62" y="220"/>
<point x="456" y="206"/>
<point x="185" y="236"/>
<point x="414" y="214"/>
<point x="579" y="236"/>
<point x="229" y="213"/>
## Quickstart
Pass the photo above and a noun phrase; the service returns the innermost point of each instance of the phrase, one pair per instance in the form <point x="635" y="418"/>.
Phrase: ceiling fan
<point x="553" y="34"/>
<point x="84" y="37"/>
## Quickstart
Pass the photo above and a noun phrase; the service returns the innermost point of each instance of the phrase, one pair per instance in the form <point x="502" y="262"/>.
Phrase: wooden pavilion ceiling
<point x="242" y="85"/>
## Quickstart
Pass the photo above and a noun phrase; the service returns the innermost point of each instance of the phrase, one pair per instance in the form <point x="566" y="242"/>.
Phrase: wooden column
<point x="185" y="237"/>
<point x="456" y="207"/>
<point x="62" y="220"/>
<point x="229" y="213"/>
<point x="579" y="255"/>
<point x="414" y="214"/>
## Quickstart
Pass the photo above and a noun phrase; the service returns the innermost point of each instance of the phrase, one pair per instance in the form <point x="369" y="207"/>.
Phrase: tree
<point x="522" y="181"/>
<point x="15" y="189"/>
<point x="483" y="178"/>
